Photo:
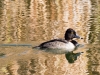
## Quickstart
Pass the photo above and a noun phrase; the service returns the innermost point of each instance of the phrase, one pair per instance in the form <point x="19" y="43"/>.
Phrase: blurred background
<point x="35" y="21"/>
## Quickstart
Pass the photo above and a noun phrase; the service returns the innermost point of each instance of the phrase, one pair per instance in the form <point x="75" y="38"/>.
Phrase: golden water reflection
<point x="94" y="40"/>
<point x="36" y="21"/>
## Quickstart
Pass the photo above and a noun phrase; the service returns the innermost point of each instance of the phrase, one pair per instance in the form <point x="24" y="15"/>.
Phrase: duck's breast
<point x="70" y="46"/>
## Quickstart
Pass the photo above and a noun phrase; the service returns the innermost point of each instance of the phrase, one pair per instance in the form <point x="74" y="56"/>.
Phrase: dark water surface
<point x="94" y="40"/>
<point x="27" y="23"/>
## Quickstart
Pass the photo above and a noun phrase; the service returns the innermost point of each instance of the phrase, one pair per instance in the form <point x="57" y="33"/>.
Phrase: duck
<point x="61" y="46"/>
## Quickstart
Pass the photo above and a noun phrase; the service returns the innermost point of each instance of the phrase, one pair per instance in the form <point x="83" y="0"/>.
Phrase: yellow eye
<point x="72" y="32"/>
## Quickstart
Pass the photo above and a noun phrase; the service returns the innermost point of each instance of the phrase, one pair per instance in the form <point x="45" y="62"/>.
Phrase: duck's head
<point x="70" y="34"/>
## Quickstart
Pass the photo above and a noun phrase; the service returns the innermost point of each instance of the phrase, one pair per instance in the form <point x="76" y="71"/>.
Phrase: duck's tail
<point x="36" y="47"/>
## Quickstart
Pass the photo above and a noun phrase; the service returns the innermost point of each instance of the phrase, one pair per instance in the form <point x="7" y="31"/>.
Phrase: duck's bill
<point x="76" y="36"/>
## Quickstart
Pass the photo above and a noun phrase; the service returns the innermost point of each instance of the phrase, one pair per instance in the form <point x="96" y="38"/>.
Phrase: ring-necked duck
<point x="70" y="34"/>
<point x="60" y="45"/>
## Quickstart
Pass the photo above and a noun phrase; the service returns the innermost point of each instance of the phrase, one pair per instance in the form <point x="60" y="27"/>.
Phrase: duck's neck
<point x="74" y="42"/>
<point x="68" y="39"/>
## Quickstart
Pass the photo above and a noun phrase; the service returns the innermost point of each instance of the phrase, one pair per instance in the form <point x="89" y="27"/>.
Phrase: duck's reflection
<point x="72" y="57"/>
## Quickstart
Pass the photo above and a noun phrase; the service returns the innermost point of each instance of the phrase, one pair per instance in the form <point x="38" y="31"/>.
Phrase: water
<point x="27" y="23"/>
<point x="94" y="40"/>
